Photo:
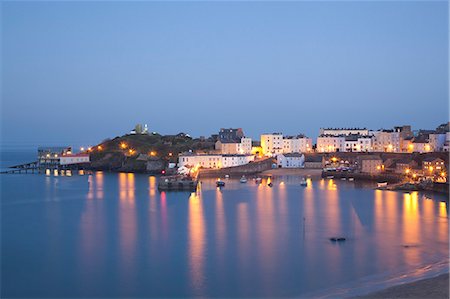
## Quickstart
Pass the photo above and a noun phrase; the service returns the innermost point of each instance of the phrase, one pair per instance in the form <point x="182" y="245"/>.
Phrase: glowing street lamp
<point x="123" y="145"/>
<point x="99" y="147"/>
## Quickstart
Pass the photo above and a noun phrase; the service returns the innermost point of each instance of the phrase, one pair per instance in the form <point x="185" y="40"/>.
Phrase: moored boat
<point x="177" y="183"/>
<point x="220" y="183"/>
<point x="382" y="184"/>
<point x="258" y="180"/>
<point x="243" y="179"/>
<point x="303" y="182"/>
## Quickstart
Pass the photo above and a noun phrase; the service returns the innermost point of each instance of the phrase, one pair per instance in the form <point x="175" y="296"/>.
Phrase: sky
<point x="75" y="73"/>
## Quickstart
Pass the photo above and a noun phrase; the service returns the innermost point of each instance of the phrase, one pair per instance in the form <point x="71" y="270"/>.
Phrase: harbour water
<point x="115" y="235"/>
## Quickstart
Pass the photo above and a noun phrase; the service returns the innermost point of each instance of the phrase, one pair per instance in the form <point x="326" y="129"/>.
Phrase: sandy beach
<point x="313" y="173"/>
<point x="436" y="287"/>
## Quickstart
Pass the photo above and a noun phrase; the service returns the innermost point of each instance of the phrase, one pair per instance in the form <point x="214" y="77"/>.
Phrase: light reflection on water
<point x="115" y="235"/>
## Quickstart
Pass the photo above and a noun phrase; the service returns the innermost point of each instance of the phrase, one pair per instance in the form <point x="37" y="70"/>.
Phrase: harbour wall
<point x="247" y="169"/>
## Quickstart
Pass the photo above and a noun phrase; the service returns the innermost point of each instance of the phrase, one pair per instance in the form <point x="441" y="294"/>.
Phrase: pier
<point x="36" y="167"/>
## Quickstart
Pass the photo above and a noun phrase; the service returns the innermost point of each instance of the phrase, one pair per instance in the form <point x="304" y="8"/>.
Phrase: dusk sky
<point x="76" y="73"/>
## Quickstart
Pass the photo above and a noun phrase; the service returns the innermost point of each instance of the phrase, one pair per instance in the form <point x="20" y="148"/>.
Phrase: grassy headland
<point x="131" y="152"/>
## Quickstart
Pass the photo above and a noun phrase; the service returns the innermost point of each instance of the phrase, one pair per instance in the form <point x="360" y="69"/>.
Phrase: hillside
<point x="132" y="152"/>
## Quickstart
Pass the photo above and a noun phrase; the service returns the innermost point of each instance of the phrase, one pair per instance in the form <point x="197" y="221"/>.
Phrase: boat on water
<point x="303" y="182"/>
<point x="343" y="179"/>
<point x="177" y="183"/>
<point x="258" y="180"/>
<point x="220" y="183"/>
<point x="227" y="176"/>
<point x="351" y="179"/>
<point x="270" y="184"/>
<point x="337" y="239"/>
<point x="243" y="179"/>
<point x="382" y="184"/>
<point x="330" y="177"/>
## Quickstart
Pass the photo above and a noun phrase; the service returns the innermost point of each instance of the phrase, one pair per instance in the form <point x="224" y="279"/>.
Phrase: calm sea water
<point x="115" y="235"/>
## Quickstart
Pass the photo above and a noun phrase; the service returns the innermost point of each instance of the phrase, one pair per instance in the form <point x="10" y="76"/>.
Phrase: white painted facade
<point x="437" y="142"/>
<point x="200" y="160"/>
<point x="421" y="147"/>
<point x="245" y="147"/>
<point x="293" y="160"/>
<point x="330" y="144"/>
<point x="236" y="160"/>
<point x="386" y="142"/>
<point x="446" y="147"/>
<point x="272" y="144"/>
<point x="365" y="144"/>
<point x="213" y="160"/>
<point x="297" y="145"/>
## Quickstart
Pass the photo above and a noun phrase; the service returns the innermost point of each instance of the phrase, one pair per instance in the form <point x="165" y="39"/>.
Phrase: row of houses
<point x="234" y="148"/>
<point x="431" y="167"/>
<point x="400" y="139"/>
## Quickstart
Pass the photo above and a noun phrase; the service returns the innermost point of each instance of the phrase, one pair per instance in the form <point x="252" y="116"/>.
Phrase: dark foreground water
<point x="115" y="235"/>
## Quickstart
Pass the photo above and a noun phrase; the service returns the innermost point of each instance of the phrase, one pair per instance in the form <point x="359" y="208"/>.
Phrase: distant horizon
<point x="27" y="146"/>
<point x="79" y="72"/>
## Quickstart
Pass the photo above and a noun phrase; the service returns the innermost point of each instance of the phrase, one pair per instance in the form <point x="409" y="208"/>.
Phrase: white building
<point x="437" y="142"/>
<point x="351" y="145"/>
<point x="329" y="144"/>
<point x="272" y="144"/>
<point x="245" y="147"/>
<point x="200" y="160"/>
<point x="70" y="159"/>
<point x="446" y="147"/>
<point x="291" y="160"/>
<point x="365" y="143"/>
<point x="421" y="146"/>
<point x="213" y="160"/>
<point x="343" y="131"/>
<point x="386" y="141"/>
<point x="298" y="144"/>
<point x="236" y="160"/>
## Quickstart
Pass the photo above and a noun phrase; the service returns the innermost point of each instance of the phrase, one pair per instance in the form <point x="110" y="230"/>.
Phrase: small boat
<point x="330" y="177"/>
<point x="243" y="179"/>
<point x="258" y="180"/>
<point x="220" y="183"/>
<point x="337" y="239"/>
<point x="303" y="182"/>
<point x="227" y="176"/>
<point x="270" y="184"/>
<point x="351" y="179"/>
<point x="382" y="184"/>
<point x="343" y="179"/>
